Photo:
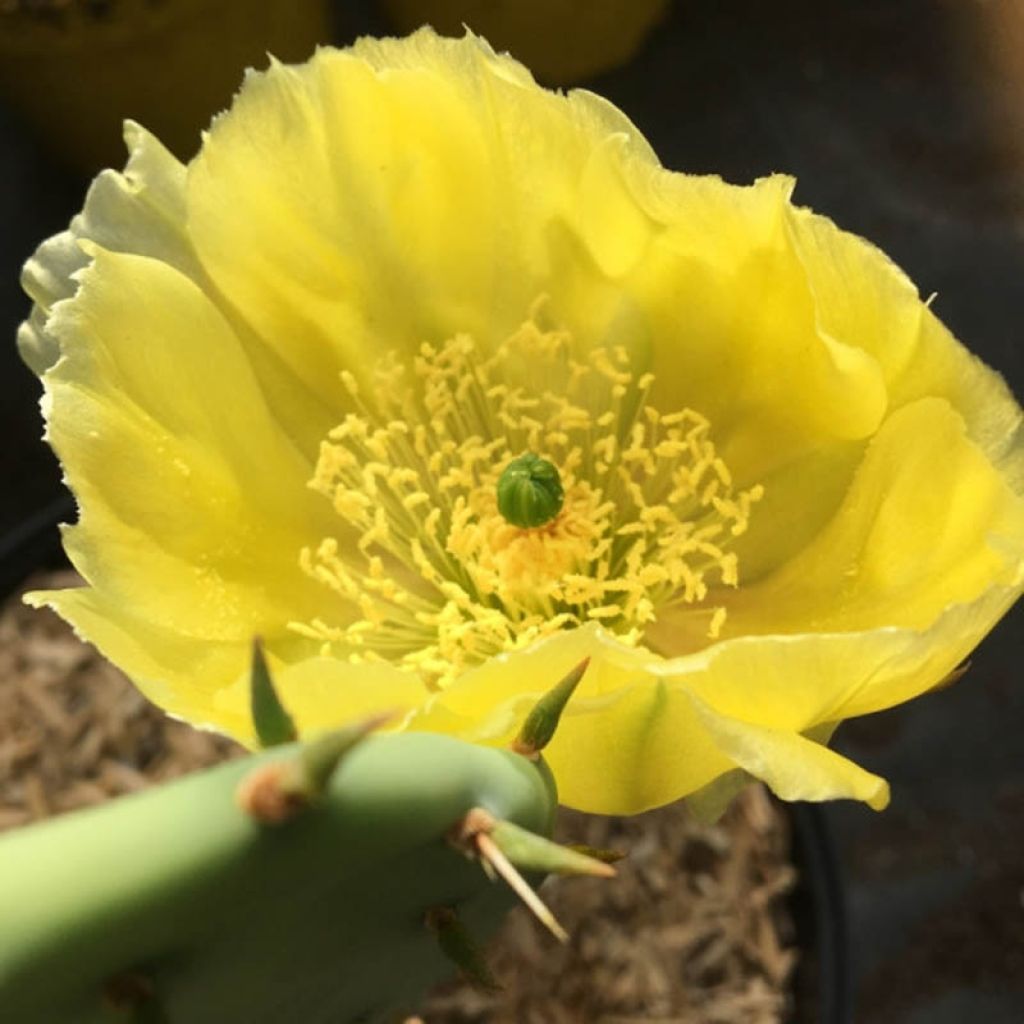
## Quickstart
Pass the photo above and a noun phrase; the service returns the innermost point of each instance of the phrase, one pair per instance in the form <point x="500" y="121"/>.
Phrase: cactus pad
<point x="177" y="906"/>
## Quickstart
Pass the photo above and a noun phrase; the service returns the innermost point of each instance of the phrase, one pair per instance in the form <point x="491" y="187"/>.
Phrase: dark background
<point x="904" y="122"/>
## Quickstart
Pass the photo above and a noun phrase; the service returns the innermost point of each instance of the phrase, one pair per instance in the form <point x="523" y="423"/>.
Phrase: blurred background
<point x="903" y="120"/>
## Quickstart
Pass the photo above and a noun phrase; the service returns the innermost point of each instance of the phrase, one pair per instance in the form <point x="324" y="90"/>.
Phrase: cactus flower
<point x="285" y="382"/>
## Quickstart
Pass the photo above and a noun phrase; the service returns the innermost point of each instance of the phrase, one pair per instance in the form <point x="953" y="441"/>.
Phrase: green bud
<point x="530" y="491"/>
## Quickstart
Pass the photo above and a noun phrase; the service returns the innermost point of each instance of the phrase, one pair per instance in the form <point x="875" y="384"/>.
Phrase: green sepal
<point x="543" y="719"/>
<point x="273" y="725"/>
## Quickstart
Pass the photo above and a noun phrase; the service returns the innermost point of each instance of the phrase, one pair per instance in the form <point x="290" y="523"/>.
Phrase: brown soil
<point x="692" y="931"/>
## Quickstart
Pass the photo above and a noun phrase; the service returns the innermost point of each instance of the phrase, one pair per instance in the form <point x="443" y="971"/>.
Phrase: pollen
<point x="431" y="576"/>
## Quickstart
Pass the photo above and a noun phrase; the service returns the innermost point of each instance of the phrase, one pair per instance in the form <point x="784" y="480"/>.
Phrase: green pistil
<point x="530" y="491"/>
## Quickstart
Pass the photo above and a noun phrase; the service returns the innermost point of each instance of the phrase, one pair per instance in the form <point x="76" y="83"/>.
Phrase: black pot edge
<point x="822" y="984"/>
<point x="34" y="542"/>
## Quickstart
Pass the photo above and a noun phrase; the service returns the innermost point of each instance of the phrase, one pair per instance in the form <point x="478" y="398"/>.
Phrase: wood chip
<point x="73" y="730"/>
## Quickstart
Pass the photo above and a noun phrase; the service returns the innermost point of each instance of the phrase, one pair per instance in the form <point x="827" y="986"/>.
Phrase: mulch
<point x="695" y="928"/>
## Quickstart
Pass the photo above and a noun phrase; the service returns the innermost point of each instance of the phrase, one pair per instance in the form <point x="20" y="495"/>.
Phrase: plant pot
<point x="561" y="41"/>
<point x="34" y="542"/>
<point x="77" y="71"/>
<point x="822" y="983"/>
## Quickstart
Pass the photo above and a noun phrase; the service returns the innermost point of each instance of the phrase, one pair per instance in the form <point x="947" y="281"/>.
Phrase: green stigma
<point x="530" y="491"/>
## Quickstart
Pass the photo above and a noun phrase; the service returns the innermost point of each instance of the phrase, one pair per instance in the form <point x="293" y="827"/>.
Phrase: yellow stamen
<point x="433" y="578"/>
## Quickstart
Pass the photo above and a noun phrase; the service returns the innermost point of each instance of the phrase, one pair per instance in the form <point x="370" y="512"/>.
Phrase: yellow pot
<point x="560" y="41"/>
<point x="76" y="70"/>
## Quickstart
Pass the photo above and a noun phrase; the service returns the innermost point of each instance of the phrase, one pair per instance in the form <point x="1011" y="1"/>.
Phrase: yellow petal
<point x="323" y="693"/>
<point x="642" y="730"/>
<point x="187" y="679"/>
<point x="928" y="522"/>
<point x="804" y="682"/>
<point x="404" y="190"/>
<point x="793" y="767"/>
<point x="193" y="501"/>
<point x="863" y="299"/>
<point x="334" y="208"/>
<point x="729" y="305"/>
<point x="628" y="740"/>
<point x="141" y="211"/>
<point x="796" y="339"/>
<point x="174" y="671"/>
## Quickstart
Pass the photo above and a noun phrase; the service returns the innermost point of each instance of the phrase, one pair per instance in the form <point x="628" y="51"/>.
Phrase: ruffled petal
<point x="796" y="339"/>
<point x="397" y="192"/>
<point x="863" y="299"/>
<point x="140" y="211"/>
<point x="193" y="502"/>
<point x="927" y="522"/>
<point x="179" y="675"/>
<point x="630" y="739"/>
<point x="793" y="767"/>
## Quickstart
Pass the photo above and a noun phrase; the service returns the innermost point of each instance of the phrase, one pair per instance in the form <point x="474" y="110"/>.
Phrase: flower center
<point x="459" y="545"/>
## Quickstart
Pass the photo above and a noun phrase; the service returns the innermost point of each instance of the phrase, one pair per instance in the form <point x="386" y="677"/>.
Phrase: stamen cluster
<point x="434" y="578"/>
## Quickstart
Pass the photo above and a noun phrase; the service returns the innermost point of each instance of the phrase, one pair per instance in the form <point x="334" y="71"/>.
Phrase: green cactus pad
<point x="225" y="921"/>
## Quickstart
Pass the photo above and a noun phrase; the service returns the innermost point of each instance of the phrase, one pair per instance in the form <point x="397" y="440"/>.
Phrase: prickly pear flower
<point x="440" y="383"/>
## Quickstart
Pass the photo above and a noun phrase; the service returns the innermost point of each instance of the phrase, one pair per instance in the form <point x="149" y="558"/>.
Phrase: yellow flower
<point x="284" y="381"/>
